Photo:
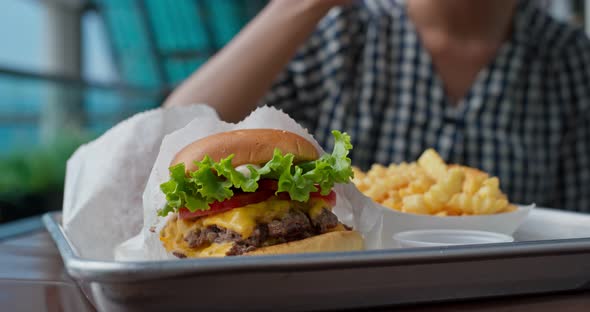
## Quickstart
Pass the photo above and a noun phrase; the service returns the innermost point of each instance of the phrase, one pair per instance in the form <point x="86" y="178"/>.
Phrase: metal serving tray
<point x="328" y="281"/>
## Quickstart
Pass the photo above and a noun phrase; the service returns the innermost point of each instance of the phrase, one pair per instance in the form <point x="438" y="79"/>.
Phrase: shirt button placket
<point x="449" y="141"/>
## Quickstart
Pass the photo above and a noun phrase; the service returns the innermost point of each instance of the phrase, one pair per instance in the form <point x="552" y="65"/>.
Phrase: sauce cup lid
<point x="433" y="238"/>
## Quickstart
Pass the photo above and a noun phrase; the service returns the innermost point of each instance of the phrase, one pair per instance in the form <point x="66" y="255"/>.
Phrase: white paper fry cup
<point x="395" y="222"/>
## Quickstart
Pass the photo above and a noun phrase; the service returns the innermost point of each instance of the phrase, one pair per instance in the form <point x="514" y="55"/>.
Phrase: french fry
<point x="490" y="188"/>
<point x="473" y="179"/>
<point x="414" y="204"/>
<point x="433" y="164"/>
<point x="440" y="193"/>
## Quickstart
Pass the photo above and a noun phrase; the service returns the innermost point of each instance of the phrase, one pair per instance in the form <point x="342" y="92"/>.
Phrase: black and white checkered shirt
<point x="526" y="118"/>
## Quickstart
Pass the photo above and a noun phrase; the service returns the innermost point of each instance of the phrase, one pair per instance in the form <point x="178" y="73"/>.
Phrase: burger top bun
<point x="250" y="146"/>
<point x="328" y="242"/>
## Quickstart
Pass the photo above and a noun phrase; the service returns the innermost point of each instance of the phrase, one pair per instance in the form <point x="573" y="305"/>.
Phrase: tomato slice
<point x="238" y="200"/>
<point x="330" y="198"/>
<point x="266" y="189"/>
<point x="273" y="185"/>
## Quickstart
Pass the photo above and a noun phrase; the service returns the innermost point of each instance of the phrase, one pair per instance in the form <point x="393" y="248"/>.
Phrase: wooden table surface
<point x="32" y="278"/>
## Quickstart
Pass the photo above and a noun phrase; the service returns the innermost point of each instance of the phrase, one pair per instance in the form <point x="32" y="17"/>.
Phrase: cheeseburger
<point x="256" y="191"/>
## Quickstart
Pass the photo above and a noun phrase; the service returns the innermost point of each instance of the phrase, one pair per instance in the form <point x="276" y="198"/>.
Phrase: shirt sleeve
<point x="574" y="185"/>
<point x="284" y="94"/>
<point x="303" y="84"/>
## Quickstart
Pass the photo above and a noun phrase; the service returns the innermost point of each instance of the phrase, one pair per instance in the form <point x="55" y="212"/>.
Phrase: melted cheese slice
<point x="244" y="220"/>
<point x="216" y="250"/>
<point x="241" y="220"/>
<point x="316" y="208"/>
<point x="172" y="237"/>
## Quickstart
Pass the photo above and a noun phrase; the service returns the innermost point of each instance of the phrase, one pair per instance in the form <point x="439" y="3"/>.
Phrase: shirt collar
<point x="527" y="27"/>
<point x="394" y="8"/>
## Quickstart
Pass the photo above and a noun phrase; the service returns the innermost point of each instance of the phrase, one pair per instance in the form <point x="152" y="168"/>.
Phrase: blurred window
<point x="97" y="57"/>
<point x="130" y="52"/>
<point x="46" y="114"/>
<point x="21" y="32"/>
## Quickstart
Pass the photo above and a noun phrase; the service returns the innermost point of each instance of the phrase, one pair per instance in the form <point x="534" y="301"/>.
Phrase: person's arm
<point x="236" y="78"/>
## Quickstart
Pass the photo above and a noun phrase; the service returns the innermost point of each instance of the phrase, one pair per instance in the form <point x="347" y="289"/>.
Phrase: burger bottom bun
<point x="328" y="242"/>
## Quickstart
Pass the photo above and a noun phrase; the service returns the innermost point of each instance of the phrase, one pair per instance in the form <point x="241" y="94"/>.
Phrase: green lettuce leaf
<point x="217" y="181"/>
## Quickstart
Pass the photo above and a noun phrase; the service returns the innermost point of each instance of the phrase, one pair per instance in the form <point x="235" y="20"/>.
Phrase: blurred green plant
<point x="37" y="171"/>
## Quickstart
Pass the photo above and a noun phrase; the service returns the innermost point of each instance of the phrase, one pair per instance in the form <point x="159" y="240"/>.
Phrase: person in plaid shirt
<point x="497" y="85"/>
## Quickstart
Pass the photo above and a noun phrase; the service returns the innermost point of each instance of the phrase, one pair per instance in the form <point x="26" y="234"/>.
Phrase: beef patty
<point x="295" y="225"/>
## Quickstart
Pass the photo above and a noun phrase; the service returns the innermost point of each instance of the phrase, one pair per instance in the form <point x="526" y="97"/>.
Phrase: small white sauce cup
<point x="434" y="238"/>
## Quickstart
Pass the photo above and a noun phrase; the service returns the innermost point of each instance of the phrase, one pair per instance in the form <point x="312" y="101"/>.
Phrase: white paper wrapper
<point x="106" y="218"/>
<point x="105" y="180"/>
